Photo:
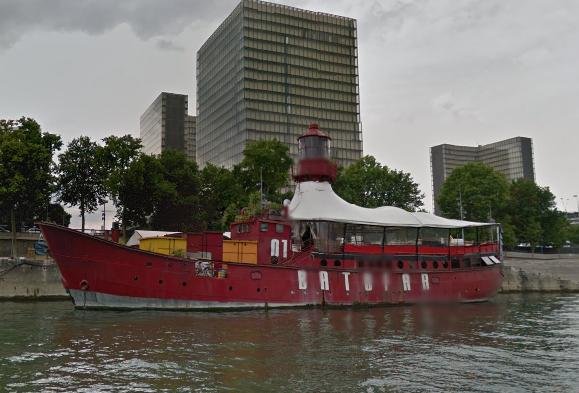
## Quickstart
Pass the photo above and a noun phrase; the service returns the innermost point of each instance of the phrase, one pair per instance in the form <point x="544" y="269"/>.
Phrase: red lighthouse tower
<point x="315" y="162"/>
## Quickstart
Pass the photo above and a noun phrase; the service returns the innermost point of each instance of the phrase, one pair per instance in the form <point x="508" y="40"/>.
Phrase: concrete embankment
<point x="540" y="273"/>
<point x="29" y="279"/>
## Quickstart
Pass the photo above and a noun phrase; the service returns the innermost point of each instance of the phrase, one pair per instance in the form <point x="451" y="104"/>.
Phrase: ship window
<point x="400" y="236"/>
<point x="433" y="237"/>
<point x="435" y="264"/>
<point x="364" y="234"/>
<point x="263" y="227"/>
<point x="400" y="264"/>
<point x="455" y="264"/>
<point x="323" y="262"/>
<point x="279" y="228"/>
<point x="337" y="262"/>
<point x="424" y="264"/>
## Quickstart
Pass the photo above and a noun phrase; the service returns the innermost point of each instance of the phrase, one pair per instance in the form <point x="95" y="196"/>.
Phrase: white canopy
<point x="140" y="234"/>
<point x="317" y="201"/>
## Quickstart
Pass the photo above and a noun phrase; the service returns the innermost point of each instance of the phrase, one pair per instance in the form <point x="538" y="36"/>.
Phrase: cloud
<point x="449" y="104"/>
<point x="147" y="18"/>
<point x="168" y="45"/>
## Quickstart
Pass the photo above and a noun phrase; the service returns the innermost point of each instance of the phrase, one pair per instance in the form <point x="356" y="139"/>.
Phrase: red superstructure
<point x="324" y="251"/>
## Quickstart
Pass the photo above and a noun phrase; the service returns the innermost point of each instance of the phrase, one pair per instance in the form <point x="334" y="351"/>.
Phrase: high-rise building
<point x="267" y="72"/>
<point x="512" y="157"/>
<point x="166" y="125"/>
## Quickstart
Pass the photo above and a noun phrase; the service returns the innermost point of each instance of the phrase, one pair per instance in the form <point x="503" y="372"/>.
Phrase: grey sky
<point x="463" y="72"/>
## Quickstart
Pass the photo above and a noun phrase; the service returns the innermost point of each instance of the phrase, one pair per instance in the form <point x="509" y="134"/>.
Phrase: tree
<point x="480" y="190"/>
<point x="265" y="163"/>
<point x="118" y="155"/>
<point x="219" y="189"/>
<point x="58" y="215"/>
<point x="26" y="169"/>
<point x="532" y="212"/>
<point x="137" y="191"/>
<point x="367" y="183"/>
<point x="177" y="204"/>
<point x="82" y="176"/>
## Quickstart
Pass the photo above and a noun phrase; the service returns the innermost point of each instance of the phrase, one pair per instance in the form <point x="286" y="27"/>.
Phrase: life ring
<point x="84" y="285"/>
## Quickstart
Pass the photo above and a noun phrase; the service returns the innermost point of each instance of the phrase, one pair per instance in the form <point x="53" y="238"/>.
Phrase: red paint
<point x="107" y="267"/>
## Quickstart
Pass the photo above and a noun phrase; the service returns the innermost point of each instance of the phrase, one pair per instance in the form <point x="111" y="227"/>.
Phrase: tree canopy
<point x="82" y="176"/>
<point x="481" y="190"/>
<point x="26" y="169"/>
<point x="526" y="211"/>
<point x="368" y="183"/>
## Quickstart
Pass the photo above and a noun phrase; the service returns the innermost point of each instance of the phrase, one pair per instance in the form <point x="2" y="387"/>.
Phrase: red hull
<point x="102" y="274"/>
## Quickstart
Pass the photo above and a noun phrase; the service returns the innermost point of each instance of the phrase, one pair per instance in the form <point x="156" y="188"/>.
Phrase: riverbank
<point x="40" y="280"/>
<point x="30" y="280"/>
<point x="540" y="273"/>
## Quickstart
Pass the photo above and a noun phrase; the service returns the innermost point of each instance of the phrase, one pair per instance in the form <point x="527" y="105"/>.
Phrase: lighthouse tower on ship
<point x="315" y="159"/>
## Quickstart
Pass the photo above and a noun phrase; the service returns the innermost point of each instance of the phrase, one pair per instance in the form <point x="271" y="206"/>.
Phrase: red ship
<point x="321" y="251"/>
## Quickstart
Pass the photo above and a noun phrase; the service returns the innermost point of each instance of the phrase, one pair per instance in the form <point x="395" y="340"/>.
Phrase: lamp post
<point x="577" y="200"/>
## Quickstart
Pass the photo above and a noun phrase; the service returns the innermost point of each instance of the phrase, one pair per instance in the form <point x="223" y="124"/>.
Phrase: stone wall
<point x="30" y="280"/>
<point x="539" y="273"/>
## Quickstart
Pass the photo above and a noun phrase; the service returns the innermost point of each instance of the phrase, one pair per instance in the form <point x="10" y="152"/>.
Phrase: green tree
<point x="118" y="155"/>
<point x="82" y="176"/>
<point x="58" y="215"/>
<point x="481" y="190"/>
<point x="177" y="206"/>
<point x="534" y="216"/>
<point x="267" y="163"/>
<point x="219" y="189"/>
<point x="368" y="183"/>
<point x="26" y="170"/>
<point x="138" y="190"/>
<point x="573" y="234"/>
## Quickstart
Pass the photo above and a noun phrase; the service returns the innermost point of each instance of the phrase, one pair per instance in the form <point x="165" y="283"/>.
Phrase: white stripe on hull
<point x="89" y="299"/>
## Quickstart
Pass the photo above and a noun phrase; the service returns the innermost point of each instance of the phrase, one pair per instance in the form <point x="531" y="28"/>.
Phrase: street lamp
<point x="577" y="199"/>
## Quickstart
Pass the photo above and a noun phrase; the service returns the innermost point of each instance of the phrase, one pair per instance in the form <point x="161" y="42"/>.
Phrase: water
<point x="514" y="344"/>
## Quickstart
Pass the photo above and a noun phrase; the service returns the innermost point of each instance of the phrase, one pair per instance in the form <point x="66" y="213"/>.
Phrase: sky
<point x="431" y="71"/>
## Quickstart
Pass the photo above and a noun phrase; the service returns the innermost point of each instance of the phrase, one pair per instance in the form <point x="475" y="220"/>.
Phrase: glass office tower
<point x="267" y="72"/>
<point x="512" y="157"/>
<point x="166" y="125"/>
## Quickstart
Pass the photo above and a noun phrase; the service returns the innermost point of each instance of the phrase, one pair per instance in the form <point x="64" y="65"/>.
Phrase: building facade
<point x="512" y="157"/>
<point x="270" y="70"/>
<point x="165" y="125"/>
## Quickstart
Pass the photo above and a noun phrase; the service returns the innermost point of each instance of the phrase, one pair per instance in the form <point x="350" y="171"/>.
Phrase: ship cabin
<point x="356" y="246"/>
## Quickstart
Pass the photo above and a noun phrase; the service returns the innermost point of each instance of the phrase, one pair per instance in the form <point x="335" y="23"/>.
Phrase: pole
<point x="460" y="207"/>
<point x="577" y="200"/>
<point x="13" y="224"/>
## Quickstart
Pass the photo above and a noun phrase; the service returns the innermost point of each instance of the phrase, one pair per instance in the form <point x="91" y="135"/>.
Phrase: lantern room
<point x="314" y="155"/>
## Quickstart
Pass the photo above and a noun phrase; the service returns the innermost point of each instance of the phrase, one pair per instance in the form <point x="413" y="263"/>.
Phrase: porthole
<point x="258" y="289"/>
<point x="337" y="263"/>
<point x="323" y="262"/>
<point x="400" y="265"/>
<point x="445" y="264"/>
<point x="230" y="288"/>
<point x="160" y="282"/>
<point x="184" y="283"/>
<point x="360" y="263"/>
<point x="424" y="265"/>
<point x="435" y="264"/>
<point x="136" y="278"/>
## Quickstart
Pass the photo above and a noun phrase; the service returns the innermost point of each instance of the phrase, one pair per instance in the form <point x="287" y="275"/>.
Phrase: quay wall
<point x="30" y="280"/>
<point x="540" y="273"/>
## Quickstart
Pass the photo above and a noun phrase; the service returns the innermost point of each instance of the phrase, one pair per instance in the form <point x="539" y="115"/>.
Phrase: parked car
<point x="33" y="229"/>
<point x="4" y="228"/>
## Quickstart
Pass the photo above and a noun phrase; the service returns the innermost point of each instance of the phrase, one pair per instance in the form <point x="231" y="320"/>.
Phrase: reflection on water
<point x="516" y="343"/>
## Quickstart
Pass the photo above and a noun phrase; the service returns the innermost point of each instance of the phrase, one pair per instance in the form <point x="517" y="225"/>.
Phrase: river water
<point x="513" y="344"/>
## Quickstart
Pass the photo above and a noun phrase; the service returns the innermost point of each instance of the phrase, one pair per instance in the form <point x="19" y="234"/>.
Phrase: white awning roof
<point x="317" y="201"/>
<point x="140" y="234"/>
